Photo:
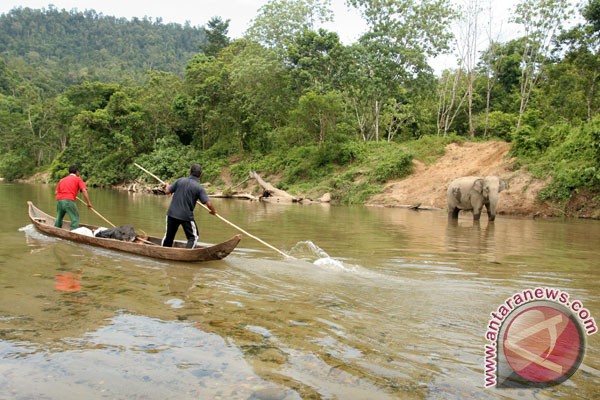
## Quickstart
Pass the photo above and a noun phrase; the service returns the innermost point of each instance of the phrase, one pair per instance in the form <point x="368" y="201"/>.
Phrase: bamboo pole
<point x="97" y="213"/>
<point x="114" y="226"/>
<point x="221" y="218"/>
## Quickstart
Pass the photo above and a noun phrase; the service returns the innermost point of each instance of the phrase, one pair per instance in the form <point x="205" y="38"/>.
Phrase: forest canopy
<point x="290" y="98"/>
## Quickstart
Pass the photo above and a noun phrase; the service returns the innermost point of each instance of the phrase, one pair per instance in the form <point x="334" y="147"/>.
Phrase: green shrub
<point x="529" y="143"/>
<point x="566" y="181"/>
<point x="393" y="166"/>
<point x="170" y="160"/>
<point x="348" y="189"/>
<point x="570" y="157"/>
<point x="500" y="125"/>
<point x="15" y="166"/>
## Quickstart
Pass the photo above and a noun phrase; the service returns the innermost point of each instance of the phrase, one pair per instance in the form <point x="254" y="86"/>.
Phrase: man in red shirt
<point x="66" y="192"/>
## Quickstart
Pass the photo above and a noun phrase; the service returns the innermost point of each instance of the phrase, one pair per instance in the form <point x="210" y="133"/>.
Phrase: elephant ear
<point x="502" y="185"/>
<point x="478" y="185"/>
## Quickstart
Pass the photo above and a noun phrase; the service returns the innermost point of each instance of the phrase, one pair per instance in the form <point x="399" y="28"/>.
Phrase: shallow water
<point x="377" y="304"/>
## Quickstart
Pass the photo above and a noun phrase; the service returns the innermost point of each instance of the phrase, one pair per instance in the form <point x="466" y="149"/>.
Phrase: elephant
<point x="474" y="192"/>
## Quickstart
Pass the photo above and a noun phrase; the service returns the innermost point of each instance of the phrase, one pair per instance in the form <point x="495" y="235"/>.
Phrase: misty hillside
<point x="90" y="46"/>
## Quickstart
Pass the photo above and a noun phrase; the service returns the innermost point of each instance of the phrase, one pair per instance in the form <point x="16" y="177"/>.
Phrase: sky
<point x="348" y="23"/>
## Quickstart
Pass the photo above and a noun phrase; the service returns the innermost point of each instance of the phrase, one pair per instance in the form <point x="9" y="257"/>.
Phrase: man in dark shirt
<point x="186" y="192"/>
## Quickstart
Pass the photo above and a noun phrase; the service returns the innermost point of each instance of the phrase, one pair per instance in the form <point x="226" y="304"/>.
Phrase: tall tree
<point x="541" y="21"/>
<point x="316" y="61"/>
<point x="207" y="81"/>
<point x="467" y="41"/>
<point x="411" y="31"/>
<point x="215" y="31"/>
<point x="491" y="63"/>
<point x="279" y="21"/>
<point x="402" y="36"/>
<point x="452" y="92"/>
<point x="261" y="89"/>
<point x="319" y="113"/>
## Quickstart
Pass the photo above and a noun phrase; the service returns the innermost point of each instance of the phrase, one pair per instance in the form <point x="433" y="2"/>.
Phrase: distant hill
<point x="87" y="45"/>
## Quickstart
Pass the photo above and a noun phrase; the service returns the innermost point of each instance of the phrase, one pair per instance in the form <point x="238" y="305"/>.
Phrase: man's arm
<point x="211" y="207"/>
<point x="87" y="197"/>
<point x="172" y="187"/>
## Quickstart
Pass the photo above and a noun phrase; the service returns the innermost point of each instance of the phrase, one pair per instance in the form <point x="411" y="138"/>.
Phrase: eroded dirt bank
<point x="428" y="184"/>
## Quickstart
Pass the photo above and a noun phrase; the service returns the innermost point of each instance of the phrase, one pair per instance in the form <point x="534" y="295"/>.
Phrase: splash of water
<point x="309" y="251"/>
<point x="32" y="233"/>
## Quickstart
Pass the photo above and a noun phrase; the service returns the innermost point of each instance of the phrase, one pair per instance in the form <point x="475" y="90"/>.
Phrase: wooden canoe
<point x="149" y="247"/>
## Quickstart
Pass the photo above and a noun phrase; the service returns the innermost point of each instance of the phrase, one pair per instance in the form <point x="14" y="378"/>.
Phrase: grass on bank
<point x="351" y="171"/>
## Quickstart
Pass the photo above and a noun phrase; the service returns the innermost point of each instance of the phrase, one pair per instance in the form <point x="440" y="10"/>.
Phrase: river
<point x="376" y="303"/>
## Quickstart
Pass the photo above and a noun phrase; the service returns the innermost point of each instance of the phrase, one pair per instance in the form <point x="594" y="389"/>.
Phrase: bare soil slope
<point x="427" y="185"/>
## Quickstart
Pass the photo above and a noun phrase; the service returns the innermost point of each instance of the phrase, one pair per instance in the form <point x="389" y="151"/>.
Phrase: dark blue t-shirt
<point x="186" y="191"/>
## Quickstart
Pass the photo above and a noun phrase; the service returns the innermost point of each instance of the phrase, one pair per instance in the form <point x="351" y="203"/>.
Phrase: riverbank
<point x="426" y="185"/>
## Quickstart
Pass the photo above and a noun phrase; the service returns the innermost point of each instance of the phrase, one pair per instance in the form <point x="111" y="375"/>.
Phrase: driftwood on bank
<point x="270" y="193"/>
<point x="229" y="195"/>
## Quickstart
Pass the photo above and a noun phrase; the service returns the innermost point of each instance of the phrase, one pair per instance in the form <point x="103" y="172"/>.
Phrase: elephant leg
<point x="476" y="213"/>
<point x="491" y="212"/>
<point x="453" y="213"/>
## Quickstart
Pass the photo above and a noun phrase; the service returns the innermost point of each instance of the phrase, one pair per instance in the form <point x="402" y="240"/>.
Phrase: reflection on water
<point x="156" y="352"/>
<point x="69" y="282"/>
<point x="377" y="304"/>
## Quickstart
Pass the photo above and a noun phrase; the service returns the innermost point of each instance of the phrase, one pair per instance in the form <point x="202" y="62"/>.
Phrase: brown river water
<point x="377" y="303"/>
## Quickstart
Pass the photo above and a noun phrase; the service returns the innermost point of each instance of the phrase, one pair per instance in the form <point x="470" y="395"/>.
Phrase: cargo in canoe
<point x="149" y="247"/>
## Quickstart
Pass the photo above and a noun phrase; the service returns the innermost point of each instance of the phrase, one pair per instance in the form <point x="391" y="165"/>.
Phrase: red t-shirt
<point x="69" y="186"/>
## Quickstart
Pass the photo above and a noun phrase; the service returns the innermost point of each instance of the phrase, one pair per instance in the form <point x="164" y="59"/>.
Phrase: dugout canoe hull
<point x="149" y="247"/>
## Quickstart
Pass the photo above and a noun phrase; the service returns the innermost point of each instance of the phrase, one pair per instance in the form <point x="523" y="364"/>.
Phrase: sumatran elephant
<point x="474" y="192"/>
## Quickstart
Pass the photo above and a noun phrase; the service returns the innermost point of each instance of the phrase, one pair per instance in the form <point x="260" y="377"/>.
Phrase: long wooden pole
<point x="220" y="217"/>
<point x="97" y="213"/>
<point x="114" y="226"/>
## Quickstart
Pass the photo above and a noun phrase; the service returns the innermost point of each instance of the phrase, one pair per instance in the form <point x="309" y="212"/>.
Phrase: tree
<point x="409" y="31"/>
<point x="591" y="13"/>
<point x="207" y="80"/>
<point x="279" y="21"/>
<point x="106" y="139"/>
<point x="319" y="113"/>
<point x="490" y="60"/>
<point x="503" y="64"/>
<point x="468" y="52"/>
<point x="261" y="90"/>
<point x="158" y="96"/>
<point x="541" y="21"/>
<point x="395" y="115"/>
<point x="316" y="61"/>
<point x="453" y="90"/>
<point x="583" y="55"/>
<point x="402" y="35"/>
<point x="216" y="36"/>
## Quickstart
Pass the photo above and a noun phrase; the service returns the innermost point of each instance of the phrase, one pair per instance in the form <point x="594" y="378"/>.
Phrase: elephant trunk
<point x="491" y="208"/>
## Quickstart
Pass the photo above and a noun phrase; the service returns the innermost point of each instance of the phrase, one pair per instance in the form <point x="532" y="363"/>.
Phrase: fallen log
<point x="271" y="193"/>
<point x="243" y="196"/>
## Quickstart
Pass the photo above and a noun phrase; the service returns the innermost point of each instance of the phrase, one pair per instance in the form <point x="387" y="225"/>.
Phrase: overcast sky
<point x="348" y="23"/>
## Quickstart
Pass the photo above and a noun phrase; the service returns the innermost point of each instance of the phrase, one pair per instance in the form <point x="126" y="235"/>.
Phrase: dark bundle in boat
<point x="125" y="233"/>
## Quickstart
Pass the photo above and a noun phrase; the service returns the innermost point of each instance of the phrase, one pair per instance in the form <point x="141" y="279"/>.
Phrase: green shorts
<point x="67" y="207"/>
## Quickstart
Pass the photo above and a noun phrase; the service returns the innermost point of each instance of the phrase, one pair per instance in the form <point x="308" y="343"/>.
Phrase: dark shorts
<point x="189" y="227"/>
